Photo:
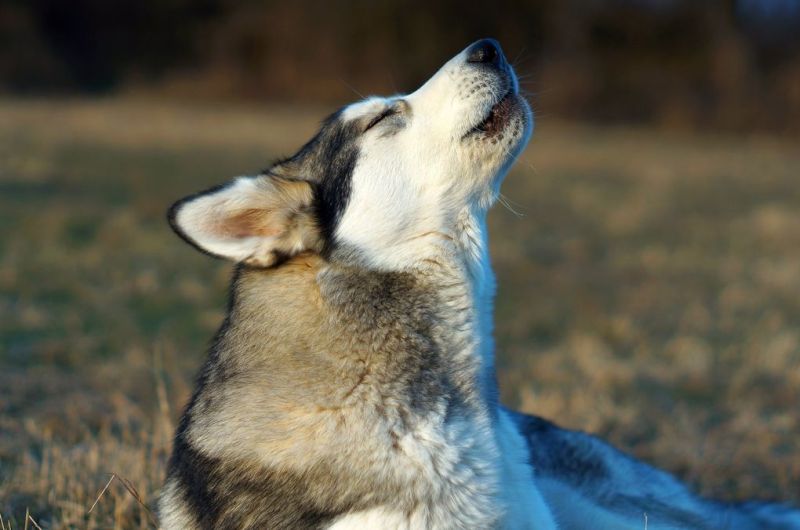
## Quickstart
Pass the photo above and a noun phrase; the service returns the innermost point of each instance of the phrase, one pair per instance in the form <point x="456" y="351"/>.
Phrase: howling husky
<point x="352" y="384"/>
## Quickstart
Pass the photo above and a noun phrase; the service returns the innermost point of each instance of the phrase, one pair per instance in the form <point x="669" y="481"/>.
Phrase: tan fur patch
<point x="248" y="223"/>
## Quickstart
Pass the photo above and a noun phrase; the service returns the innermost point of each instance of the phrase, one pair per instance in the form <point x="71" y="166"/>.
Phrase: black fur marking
<point x="212" y="490"/>
<point x="328" y="160"/>
<point x="334" y="190"/>
<point x="559" y="452"/>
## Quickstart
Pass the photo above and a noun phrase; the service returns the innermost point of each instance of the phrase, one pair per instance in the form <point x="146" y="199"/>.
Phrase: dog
<point x="352" y="382"/>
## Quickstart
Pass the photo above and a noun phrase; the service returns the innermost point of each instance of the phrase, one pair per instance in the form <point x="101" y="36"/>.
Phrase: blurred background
<point x="711" y="64"/>
<point x="648" y="258"/>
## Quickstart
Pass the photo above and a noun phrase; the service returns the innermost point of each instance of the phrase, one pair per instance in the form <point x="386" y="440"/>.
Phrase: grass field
<point x="649" y="291"/>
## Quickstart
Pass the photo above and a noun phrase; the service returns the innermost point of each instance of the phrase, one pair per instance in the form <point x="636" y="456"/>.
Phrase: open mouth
<point x="498" y="117"/>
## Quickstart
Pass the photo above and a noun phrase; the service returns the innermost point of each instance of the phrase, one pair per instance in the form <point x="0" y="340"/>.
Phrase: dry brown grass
<point x="650" y="293"/>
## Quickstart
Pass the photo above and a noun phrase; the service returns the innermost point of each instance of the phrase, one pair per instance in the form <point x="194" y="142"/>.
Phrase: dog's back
<point x="586" y="480"/>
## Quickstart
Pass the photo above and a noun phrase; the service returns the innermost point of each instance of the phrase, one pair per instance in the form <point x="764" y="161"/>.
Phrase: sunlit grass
<point x="650" y="293"/>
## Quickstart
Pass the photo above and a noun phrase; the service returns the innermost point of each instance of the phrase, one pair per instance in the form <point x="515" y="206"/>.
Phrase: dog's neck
<point x="455" y="240"/>
<point x="453" y="256"/>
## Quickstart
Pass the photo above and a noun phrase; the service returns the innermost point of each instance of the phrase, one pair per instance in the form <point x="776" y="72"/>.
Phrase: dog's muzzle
<point x="486" y="53"/>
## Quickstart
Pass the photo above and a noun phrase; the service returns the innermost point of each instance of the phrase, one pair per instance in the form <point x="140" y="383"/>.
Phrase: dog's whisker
<point x="352" y="88"/>
<point x="504" y="201"/>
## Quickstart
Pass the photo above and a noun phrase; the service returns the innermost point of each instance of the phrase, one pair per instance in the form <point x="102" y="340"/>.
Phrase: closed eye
<point x="391" y="111"/>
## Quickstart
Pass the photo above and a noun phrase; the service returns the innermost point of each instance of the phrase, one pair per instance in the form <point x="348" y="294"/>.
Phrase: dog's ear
<point x="254" y="220"/>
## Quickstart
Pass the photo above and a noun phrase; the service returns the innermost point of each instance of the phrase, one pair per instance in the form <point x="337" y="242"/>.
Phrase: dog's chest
<point x="450" y="475"/>
<point x="467" y="475"/>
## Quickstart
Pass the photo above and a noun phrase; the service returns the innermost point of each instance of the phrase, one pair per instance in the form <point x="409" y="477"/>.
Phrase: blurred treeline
<point x="727" y="64"/>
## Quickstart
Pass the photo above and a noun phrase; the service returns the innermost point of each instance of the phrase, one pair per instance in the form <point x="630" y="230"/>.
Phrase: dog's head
<point x="389" y="182"/>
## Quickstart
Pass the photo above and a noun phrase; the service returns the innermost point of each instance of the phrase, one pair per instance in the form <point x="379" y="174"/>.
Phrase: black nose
<point x="486" y="51"/>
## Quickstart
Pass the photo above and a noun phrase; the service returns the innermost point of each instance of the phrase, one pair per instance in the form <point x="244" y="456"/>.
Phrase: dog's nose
<point x="485" y="51"/>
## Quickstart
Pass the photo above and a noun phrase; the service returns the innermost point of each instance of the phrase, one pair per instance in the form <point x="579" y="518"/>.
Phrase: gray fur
<point x="368" y="338"/>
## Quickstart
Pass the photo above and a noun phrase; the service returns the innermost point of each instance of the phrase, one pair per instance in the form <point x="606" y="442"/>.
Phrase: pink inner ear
<point x="248" y="223"/>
